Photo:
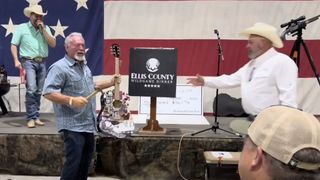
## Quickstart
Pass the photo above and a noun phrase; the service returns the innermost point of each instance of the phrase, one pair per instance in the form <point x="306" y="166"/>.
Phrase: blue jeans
<point x="35" y="76"/>
<point x="78" y="149"/>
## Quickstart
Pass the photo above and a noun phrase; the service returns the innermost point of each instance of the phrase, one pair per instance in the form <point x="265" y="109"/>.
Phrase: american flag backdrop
<point x="64" y="17"/>
<point x="187" y="25"/>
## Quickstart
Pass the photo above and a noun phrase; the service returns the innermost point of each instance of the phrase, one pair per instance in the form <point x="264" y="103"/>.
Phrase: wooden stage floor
<point x="39" y="151"/>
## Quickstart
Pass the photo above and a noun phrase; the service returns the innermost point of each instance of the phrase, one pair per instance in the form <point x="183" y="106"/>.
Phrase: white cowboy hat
<point x="37" y="9"/>
<point x="265" y="30"/>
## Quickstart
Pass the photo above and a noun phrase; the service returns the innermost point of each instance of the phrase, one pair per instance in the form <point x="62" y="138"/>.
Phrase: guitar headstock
<point x="115" y="50"/>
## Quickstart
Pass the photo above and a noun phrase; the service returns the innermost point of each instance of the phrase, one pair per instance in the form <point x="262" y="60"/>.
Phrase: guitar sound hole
<point x="117" y="104"/>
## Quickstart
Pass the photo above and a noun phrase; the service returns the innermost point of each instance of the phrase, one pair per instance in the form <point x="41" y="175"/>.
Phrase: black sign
<point x="152" y="72"/>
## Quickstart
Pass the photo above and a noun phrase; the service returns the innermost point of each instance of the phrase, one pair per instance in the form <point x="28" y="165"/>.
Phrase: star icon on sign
<point x="33" y="2"/>
<point x="81" y="3"/>
<point x="9" y="27"/>
<point x="58" y="29"/>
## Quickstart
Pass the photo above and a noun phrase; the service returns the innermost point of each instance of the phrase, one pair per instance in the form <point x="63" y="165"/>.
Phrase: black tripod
<point x="215" y="125"/>
<point x="295" y="28"/>
<point x="295" y="54"/>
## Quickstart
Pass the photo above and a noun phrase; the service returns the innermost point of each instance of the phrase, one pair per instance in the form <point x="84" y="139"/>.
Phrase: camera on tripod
<point x="296" y="25"/>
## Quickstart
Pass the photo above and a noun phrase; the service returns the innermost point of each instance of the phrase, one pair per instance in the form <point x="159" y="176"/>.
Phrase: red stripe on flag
<point x="200" y="56"/>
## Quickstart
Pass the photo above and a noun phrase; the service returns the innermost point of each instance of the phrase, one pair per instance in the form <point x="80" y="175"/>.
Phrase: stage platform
<point x="39" y="151"/>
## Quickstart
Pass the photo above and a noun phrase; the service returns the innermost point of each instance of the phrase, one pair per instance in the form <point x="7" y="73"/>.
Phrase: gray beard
<point x="255" y="54"/>
<point x="80" y="58"/>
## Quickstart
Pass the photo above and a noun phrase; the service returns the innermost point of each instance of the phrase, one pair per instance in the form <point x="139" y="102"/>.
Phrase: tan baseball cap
<point x="265" y="30"/>
<point x="282" y="131"/>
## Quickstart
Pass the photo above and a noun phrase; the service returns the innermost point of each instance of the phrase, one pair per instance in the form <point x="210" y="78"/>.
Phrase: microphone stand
<point x="215" y="125"/>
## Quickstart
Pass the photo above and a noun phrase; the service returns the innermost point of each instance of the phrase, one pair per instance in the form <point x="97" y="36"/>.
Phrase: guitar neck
<point x="117" y="85"/>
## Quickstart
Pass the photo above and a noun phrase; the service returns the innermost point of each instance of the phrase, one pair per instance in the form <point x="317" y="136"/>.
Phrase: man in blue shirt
<point x="68" y="83"/>
<point x="32" y="38"/>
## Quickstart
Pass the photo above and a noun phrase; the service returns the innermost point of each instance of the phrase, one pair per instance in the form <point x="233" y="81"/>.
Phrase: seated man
<point x="282" y="143"/>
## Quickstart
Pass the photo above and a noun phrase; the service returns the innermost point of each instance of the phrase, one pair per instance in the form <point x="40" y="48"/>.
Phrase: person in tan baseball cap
<point x="282" y="143"/>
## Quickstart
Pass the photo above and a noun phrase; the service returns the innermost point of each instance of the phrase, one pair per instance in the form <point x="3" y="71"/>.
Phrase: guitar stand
<point x="153" y="126"/>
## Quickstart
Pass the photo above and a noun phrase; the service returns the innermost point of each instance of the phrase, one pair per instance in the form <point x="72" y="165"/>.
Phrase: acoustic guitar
<point x="117" y="103"/>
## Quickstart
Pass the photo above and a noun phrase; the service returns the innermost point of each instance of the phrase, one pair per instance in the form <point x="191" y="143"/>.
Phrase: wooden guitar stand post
<point x="152" y="123"/>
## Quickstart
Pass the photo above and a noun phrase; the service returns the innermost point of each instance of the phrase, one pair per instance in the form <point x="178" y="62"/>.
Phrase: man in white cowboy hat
<point x="32" y="38"/>
<point x="269" y="78"/>
<point x="282" y="143"/>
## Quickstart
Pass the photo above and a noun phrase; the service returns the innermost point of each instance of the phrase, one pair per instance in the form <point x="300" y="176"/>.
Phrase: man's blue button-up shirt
<point x="71" y="78"/>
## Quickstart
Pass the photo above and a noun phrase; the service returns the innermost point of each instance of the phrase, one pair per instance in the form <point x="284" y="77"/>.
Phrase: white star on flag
<point x="58" y="29"/>
<point x="9" y="27"/>
<point x="33" y="2"/>
<point x="81" y="3"/>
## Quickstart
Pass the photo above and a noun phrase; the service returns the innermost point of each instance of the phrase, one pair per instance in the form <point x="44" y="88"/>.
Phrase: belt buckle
<point x="38" y="59"/>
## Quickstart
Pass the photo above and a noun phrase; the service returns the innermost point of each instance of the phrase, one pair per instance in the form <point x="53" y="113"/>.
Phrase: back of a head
<point x="284" y="132"/>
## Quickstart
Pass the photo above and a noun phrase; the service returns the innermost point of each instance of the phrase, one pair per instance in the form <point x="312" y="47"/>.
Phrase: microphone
<point x="216" y="32"/>
<point x="40" y="28"/>
<point x="39" y="24"/>
<point x="219" y="45"/>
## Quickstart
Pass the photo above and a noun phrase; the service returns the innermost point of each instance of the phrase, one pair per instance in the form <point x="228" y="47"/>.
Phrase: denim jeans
<point x="35" y="76"/>
<point x="78" y="149"/>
